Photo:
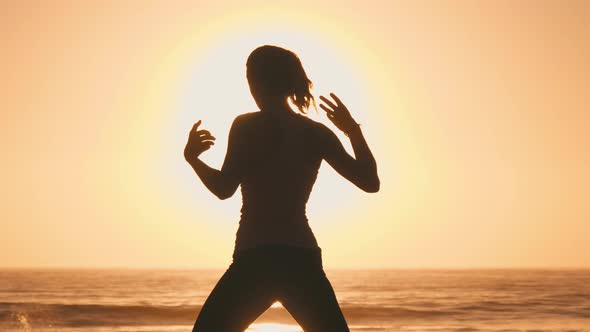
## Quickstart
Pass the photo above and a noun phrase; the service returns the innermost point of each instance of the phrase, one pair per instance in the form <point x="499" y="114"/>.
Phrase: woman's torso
<point x="282" y="157"/>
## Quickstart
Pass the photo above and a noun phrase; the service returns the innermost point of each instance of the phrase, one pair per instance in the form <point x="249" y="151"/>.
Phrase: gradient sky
<point x="477" y="113"/>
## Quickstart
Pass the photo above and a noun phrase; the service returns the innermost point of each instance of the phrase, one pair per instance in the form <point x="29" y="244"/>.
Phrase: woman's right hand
<point x="198" y="142"/>
<point x="339" y="114"/>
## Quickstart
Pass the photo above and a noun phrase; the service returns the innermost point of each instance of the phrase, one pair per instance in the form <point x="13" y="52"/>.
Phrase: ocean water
<point x="372" y="300"/>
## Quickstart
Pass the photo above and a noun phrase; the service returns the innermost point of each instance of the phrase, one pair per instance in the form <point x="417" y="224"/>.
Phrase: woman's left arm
<point x="222" y="183"/>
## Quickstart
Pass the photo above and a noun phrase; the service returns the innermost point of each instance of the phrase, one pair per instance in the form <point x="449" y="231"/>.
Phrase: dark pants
<point x="260" y="276"/>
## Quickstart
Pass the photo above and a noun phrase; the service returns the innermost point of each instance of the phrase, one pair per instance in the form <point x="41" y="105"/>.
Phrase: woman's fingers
<point x="196" y="125"/>
<point x="206" y="145"/>
<point x="338" y="101"/>
<point x="328" y="111"/>
<point x="206" y="137"/>
<point x="341" y="105"/>
<point x="198" y="141"/>
<point x="332" y="115"/>
<point x="338" y="113"/>
<point x="203" y="131"/>
<point x="203" y="134"/>
<point x="338" y="108"/>
<point x="327" y="101"/>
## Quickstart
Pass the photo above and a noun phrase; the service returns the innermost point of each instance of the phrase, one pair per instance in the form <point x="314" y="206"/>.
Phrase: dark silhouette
<point x="275" y="155"/>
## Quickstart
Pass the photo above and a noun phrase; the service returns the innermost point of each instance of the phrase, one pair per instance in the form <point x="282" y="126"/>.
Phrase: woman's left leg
<point x="307" y="294"/>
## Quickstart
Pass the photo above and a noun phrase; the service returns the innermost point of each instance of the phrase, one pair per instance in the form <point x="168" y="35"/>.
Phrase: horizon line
<point x="399" y="268"/>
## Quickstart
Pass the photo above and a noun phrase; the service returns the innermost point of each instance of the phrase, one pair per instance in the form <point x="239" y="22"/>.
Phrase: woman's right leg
<point x="312" y="302"/>
<point x="240" y="296"/>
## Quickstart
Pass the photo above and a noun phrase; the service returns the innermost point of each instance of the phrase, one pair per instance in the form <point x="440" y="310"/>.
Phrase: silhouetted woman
<point x="275" y="155"/>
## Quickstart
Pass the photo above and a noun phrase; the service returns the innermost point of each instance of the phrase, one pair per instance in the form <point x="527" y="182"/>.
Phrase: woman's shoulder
<point x="245" y="120"/>
<point x="317" y="127"/>
<point x="245" y="117"/>
<point x="312" y="123"/>
<point x="254" y="119"/>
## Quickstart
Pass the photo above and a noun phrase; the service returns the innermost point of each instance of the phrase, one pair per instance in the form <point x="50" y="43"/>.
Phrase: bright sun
<point x="215" y="90"/>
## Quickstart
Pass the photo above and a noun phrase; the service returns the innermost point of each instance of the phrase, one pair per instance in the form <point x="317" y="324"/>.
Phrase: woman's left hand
<point x="339" y="114"/>
<point x="198" y="142"/>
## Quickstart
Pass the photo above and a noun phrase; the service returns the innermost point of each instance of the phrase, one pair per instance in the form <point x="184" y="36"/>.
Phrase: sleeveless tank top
<point x="281" y="158"/>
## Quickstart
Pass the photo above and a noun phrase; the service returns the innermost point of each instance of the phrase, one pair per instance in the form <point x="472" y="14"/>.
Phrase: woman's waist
<point x="292" y="229"/>
<point x="254" y="233"/>
<point x="273" y="217"/>
<point x="271" y="208"/>
<point x="279" y="253"/>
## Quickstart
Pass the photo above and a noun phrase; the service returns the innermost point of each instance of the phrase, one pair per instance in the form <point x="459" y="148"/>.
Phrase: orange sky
<point x="476" y="111"/>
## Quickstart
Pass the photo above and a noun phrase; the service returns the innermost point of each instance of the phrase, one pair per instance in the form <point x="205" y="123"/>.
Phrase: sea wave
<point x="86" y="315"/>
<point x="441" y="301"/>
<point x="36" y="315"/>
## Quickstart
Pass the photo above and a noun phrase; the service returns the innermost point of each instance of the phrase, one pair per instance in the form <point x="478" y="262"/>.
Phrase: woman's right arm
<point x="222" y="183"/>
<point x="360" y="170"/>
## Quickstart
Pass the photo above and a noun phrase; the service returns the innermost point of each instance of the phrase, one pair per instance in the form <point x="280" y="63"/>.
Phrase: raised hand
<point x="198" y="142"/>
<point x="339" y="114"/>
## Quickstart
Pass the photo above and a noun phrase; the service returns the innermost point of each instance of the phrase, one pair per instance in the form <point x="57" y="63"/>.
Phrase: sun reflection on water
<point x="273" y="327"/>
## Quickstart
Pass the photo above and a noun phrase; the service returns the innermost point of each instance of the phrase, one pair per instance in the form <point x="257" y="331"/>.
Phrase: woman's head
<point x="276" y="74"/>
